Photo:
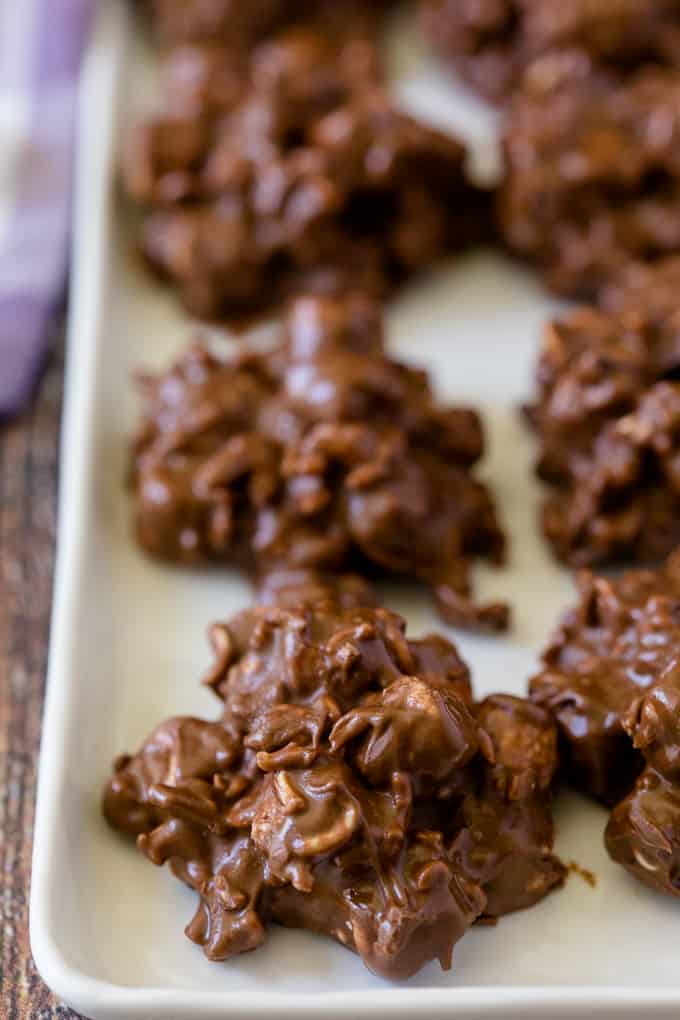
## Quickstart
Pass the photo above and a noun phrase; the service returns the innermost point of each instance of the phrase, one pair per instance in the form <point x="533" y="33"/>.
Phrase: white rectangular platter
<point x="128" y="646"/>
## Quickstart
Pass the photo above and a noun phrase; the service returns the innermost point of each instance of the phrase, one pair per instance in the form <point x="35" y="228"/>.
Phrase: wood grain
<point x="29" y="452"/>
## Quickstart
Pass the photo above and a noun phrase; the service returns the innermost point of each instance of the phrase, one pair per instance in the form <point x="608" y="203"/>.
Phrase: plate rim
<point x="94" y="188"/>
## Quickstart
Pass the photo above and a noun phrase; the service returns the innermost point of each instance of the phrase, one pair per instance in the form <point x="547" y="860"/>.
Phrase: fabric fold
<point x="41" y="48"/>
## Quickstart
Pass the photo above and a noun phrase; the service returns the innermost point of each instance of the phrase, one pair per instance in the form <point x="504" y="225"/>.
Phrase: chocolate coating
<point x="305" y="586"/>
<point x="179" y="751"/>
<point x="349" y="788"/>
<point x="238" y="26"/>
<point x="507" y="847"/>
<point x="490" y="43"/>
<point x="606" y="420"/>
<point x="323" y="456"/>
<point x="411" y="726"/>
<point x="609" y="651"/>
<point x="296" y="174"/>
<point x="522" y="746"/>
<point x="190" y="150"/>
<point x="506" y="832"/>
<point x="227" y="21"/>
<point x="592" y="171"/>
<point x="653" y="721"/>
<point x="612" y="681"/>
<point x="643" y="832"/>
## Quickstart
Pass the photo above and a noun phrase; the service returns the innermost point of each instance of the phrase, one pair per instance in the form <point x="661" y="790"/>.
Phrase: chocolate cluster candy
<point x="351" y="787"/>
<point x="323" y="455"/>
<point x="607" y="418"/>
<point x="612" y="680"/>
<point x="309" y="71"/>
<point x="238" y="25"/>
<point x="231" y="23"/>
<point x="490" y="43"/>
<point x="300" y="176"/>
<point x="592" y="171"/>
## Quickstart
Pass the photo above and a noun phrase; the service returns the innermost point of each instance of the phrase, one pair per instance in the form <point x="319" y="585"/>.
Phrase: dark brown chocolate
<point x="490" y="43"/>
<point x="522" y="748"/>
<point x="351" y="788"/>
<point x="190" y="151"/>
<point x="507" y="832"/>
<point x="238" y="25"/>
<point x="323" y="456"/>
<point x="592" y="176"/>
<point x="643" y="833"/>
<point x="294" y="175"/>
<point x="612" y="680"/>
<point x="607" y="417"/>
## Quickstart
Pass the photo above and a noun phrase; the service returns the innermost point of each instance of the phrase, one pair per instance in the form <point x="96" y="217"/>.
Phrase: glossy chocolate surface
<point x="612" y="681"/>
<point x="606" y="418"/>
<point x="238" y="25"/>
<point x="351" y="787"/>
<point x="321" y="457"/>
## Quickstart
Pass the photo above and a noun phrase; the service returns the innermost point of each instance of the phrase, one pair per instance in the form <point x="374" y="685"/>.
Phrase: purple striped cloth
<point x="41" y="46"/>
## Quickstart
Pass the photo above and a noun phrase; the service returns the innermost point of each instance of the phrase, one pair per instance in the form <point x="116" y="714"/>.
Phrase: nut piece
<point x="413" y="726"/>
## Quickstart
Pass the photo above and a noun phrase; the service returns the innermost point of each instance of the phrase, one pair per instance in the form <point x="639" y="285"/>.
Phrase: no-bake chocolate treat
<point x="592" y="167"/>
<point x="351" y="788"/>
<point x="230" y="23"/>
<point x="323" y="455"/>
<point x="611" y="678"/>
<point x="224" y="120"/>
<point x="643" y="833"/>
<point x="239" y="24"/>
<point x="491" y="42"/>
<point x="305" y="179"/>
<point x="607" y="417"/>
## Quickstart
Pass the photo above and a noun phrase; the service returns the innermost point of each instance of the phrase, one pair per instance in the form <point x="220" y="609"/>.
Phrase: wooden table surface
<point x="28" y="497"/>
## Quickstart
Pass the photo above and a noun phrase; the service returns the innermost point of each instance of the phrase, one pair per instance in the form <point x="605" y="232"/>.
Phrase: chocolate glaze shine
<point x="612" y="681"/>
<point x="643" y="832"/>
<point x="606" y="418"/>
<point x="239" y="26"/>
<point x="323" y="457"/>
<point x="349" y="788"/>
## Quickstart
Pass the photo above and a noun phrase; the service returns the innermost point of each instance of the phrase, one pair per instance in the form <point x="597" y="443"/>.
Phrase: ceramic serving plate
<point x="128" y="644"/>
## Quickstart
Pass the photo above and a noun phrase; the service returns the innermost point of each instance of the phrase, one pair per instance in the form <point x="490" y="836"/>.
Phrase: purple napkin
<point x="41" y="46"/>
